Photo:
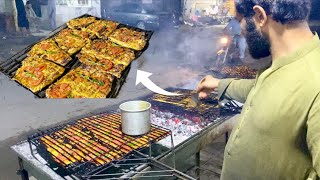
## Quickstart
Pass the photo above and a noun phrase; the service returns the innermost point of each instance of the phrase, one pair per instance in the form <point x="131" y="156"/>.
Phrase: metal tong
<point x="195" y="97"/>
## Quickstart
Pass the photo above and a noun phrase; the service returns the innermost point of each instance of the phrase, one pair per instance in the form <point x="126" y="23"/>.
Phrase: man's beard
<point x="259" y="46"/>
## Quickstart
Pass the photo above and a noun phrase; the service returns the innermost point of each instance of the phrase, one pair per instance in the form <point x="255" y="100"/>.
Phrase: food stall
<point x="188" y="129"/>
<point x="92" y="146"/>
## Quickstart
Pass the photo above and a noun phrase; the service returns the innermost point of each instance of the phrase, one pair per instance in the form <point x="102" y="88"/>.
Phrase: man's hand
<point x="206" y="86"/>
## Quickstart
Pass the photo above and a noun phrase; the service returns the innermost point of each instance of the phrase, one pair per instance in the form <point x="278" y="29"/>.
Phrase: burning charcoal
<point x="176" y="120"/>
<point x="182" y="127"/>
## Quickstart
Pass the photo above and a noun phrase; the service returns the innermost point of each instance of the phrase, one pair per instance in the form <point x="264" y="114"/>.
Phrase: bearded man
<point x="278" y="133"/>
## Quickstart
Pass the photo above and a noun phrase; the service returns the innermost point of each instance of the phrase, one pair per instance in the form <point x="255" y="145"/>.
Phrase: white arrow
<point x="143" y="78"/>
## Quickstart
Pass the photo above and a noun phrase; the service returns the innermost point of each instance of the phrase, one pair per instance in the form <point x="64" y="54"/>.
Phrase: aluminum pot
<point x="135" y="117"/>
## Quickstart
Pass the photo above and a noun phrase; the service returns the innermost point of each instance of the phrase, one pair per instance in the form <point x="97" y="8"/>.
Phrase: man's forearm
<point x="237" y="89"/>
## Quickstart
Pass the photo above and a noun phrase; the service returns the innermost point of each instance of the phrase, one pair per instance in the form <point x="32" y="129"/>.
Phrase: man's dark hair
<point x="28" y="2"/>
<point x="283" y="11"/>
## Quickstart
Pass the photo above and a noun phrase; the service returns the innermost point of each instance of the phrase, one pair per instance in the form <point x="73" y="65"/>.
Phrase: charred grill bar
<point x="90" y="145"/>
<point x="95" y="148"/>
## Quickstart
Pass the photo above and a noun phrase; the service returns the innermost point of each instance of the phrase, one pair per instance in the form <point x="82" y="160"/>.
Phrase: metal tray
<point x="11" y="65"/>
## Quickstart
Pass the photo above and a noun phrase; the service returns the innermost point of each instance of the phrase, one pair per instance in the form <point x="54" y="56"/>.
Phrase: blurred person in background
<point x="23" y="22"/>
<point x="52" y="13"/>
<point x="225" y="11"/>
<point x="33" y="19"/>
<point x="215" y="11"/>
<point x="233" y="29"/>
<point x="36" y="6"/>
<point x="196" y="15"/>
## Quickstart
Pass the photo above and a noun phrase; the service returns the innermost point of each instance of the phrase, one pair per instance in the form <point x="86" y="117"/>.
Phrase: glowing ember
<point x="182" y="127"/>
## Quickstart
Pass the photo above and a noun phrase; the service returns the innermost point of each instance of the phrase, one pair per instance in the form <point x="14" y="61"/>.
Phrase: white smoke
<point x="180" y="57"/>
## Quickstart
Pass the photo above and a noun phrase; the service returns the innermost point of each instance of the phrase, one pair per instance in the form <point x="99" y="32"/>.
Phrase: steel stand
<point x="22" y="172"/>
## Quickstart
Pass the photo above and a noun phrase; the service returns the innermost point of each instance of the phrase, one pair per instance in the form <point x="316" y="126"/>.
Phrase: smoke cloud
<point x="180" y="57"/>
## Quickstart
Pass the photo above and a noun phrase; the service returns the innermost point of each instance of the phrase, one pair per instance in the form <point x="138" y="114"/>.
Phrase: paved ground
<point x="174" y="57"/>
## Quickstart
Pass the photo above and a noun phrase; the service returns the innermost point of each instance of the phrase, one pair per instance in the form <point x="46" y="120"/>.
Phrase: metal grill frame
<point x="164" y="153"/>
<point x="142" y="161"/>
<point x="73" y="169"/>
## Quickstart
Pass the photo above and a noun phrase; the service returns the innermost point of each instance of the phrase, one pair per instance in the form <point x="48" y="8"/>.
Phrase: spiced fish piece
<point x="96" y="28"/>
<point x="82" y="82"/>
<point x="80" y="23"/>
<point x="129" y="38"/>
<point x="102" y="64"/>
<point x="110" y="28"/>
<point x="37" y="73"/>
<point x="49" y="50"/>
<point x="103" y="49"/>
<point x="113" y="67"/>
<point x="71" y="40"/>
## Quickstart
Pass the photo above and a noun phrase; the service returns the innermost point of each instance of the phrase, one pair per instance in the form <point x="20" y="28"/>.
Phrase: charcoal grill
<point x="90" y="145"/>
<point x="209" y="108"/>
<point x="11" y="65"/>
<point x="150" y="160"/>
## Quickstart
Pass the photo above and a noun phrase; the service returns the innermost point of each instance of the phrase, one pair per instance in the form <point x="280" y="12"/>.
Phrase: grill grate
<point x="182" y="101"/>
<point x="208" y="108"/>
<point x="243" y="72"/>
<point x="95" y="148"/>
<point x="91" y="143"/>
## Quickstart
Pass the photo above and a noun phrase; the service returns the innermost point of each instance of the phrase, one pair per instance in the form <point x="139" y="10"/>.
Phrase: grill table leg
<point x="22" y="172"/>
<point x="198" y="165"/>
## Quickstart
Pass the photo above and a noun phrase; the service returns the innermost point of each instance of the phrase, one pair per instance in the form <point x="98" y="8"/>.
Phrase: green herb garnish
<point x="29" y="74"/>
<point x="75" y="35"/>
<point x="52" y="52"/>
<point x="98" y="63"/>
<point x="114" y="44"/>
<point x="100" y="83"/>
